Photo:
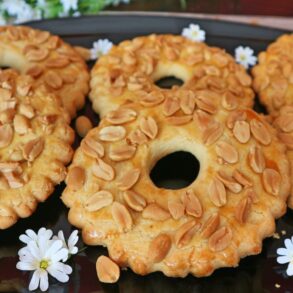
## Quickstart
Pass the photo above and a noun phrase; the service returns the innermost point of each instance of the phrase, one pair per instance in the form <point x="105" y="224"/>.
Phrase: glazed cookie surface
<point x="129" y="72"/>
<point x="283" y="122"/>
<point x="222" y="216"/>
<point x="35" y="140"/>
<point x="49" y="60"/>
<point x="273" y="76"/>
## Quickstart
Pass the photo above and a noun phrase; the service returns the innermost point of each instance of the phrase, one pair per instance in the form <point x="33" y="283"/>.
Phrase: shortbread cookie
<point x="129" y="71"/>
<point x="35" y="143"/>
<point x="222" y="216"/>
<point x="273" y="76"/>
<point x="284" y="125"/>
<point x="48" y="60"/>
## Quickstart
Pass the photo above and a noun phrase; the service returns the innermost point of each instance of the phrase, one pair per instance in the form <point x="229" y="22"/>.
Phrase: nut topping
<point x="256" y="159"/>
<point x="32" y="149"/>
<point x="128" y="179"/>
<point x="227" y="152"/>
<point x="121" y="116"/>
<point x="159" y="248"/>
<point x="170" y="106"/>
<point x="6" y="135"/>
<point x="210" y="225"/>
<point x="271" y="181"/>
<point x="121" y="216"/>
<point x="136" y="137"/>
<point x="179" y="120"/>
<point x="37" y="54"/>
<point x="152" y="99"/>
<point x="242" y="210"/>
<point x="112" y="133"/>
<point x="260" y="132"/>
<point x="217" y="193"/>
<point x="241" y="131"/>
<point x="134" y="200"/>
<point x="75" y="178"/>
<point x="192" y="204"/>
<point x="103" y="170"/>
<point x="149" y="127"/>
<point x="121" y="152"/>
<point x="241" y="178"/>
<point x="98" y="200"/>
<point x="21" y="124"/>
<point x="155" y="212"/>
<point x="176" y="209"/>
<point x="185" y="233"/>
<point x="187" y="103"/>
<point x="107" y="270"/>
<point x="212" y="133"/>
<point x="229" y="182"/>
<point x="53" y="80"/>
<point x="91" y="147"/>
<point x="220" y="240"/>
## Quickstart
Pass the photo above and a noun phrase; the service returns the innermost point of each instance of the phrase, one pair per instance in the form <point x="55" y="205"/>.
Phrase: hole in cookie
<point x="175" y="171"/>
<point x="168" y="82"/>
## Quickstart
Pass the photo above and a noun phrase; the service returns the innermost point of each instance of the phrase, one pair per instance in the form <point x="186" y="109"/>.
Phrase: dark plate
<point x="258" y="273"/>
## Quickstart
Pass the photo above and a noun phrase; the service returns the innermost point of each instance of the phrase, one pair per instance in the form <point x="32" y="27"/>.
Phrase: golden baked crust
<point x="48" y="60"/>
<point x="273" y="76"/>
<point x="283" y="122"/>
<point x="242" y="186"/>
<point x="129" y="70"/>
<point x="273" y="81"/>
<point x="35" y="140"/>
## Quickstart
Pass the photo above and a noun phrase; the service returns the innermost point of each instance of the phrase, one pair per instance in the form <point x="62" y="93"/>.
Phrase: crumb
<point x="277" y="285"/>
<point x="283" y="232"/>
<point x="276" y="236"/>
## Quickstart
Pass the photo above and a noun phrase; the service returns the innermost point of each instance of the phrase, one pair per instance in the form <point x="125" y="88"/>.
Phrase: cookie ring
<point x="273" y="81"/>
<point x="273" y="76"/>
<point x="35" y="140"/>
<point x="219" y="218"/>
<point x="48" y="60"/>
<point x="129" y="71"/>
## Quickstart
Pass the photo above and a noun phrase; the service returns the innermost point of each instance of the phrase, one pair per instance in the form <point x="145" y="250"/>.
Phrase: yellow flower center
<point x="44" y="264"/>
<point x="194" y="34"/>
<point x="242" y="57"/>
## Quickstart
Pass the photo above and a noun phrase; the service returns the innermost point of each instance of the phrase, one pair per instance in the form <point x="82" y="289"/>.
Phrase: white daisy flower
<point x="68" y="5"/>
<point x="194" y="33"/>
<point x="70" y="245"/>
<point x="245" y="57"/>
<point x="30" y="235"/>
<point x="286" y="255"/>
<point x="44" y="257"/>
<point x="100" y="47"/>
<point x="43" y="235"/>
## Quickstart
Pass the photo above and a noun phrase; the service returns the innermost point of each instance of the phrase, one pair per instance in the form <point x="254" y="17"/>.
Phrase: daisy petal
<point x="73" y="238"/>
<point x="60" y="275"/>
<point x="61" y="236"/>
<point x="61" y="254"/>
<point x="283" y="259"/>
<point x="54" y="247"/>
<point x="44" y="284"/>
<point x="288" y="244"/>
<point x="24" y="238"/>
<point x="34" y="283"/>
<point x="31" y="234"/>
<point x="74" y="250"/>
<point x="282" y="251"/>
<point x="34" y="249"/>
<point x="25" y="266"/>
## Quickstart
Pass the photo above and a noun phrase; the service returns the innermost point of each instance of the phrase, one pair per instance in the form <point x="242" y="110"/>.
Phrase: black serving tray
<point x="255" y="274"/>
